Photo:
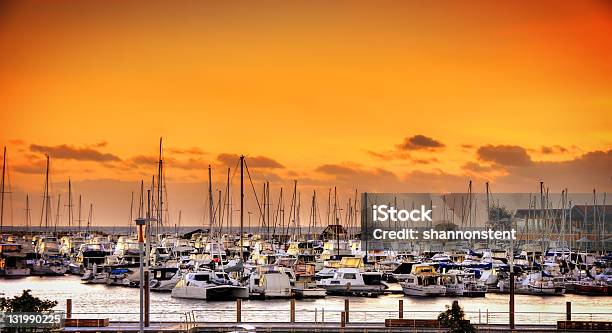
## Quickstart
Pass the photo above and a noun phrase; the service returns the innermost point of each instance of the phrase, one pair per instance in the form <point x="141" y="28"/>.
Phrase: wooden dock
<point x="132" y="327"/>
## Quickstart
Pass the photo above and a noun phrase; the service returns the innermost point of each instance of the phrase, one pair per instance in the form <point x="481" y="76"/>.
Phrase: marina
<point x="327" y="272"/>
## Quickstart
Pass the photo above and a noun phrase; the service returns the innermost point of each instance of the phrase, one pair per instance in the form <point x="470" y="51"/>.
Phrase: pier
<point x="340" y="320"/>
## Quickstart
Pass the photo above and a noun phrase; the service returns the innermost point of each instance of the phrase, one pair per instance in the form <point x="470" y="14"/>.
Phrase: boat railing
<point x="319" y="315"/>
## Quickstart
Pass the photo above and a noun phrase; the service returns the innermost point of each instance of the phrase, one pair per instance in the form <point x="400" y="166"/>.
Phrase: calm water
<point x="120" y="303"/>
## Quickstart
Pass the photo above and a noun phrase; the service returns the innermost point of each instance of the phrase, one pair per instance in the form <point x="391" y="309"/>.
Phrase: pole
<point x="69" y="308"/>
<point x="140" y="222"/>
<point x="145" y="274"/>
<point x="241" y="204"/>
<point x="511" y="312"/>
<point x="146" y="299"/>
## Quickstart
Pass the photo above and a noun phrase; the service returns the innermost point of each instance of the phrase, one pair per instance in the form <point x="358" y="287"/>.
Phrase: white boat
<point x="208" y="285"/>
<point x="305" y="286"/>
<point x="97" y="274"/>
<point x="124" y="276"/>
<point x="352" y="281"/>
<point x="270" y="282"/>
<point x="49" y="266"/>
<point x="536" y="284"/>
<point x="533" y="284"/>
<point x="423" y="281"/>
<point x="459" y="283"/>
<point x="326" y="273"/>
<point x="164" y="278"/>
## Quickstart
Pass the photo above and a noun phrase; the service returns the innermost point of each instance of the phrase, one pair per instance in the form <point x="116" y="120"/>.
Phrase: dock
<point x="173" y="327"/>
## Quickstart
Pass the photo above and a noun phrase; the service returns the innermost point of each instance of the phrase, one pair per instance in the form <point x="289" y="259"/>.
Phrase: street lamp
<point x="141" y="222"/>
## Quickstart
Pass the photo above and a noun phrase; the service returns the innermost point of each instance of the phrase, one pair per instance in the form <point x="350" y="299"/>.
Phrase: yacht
<point x="352" y="281"/>
<point x="208" y="285"/>
<point x="164" y="278"/>
<point x="270" y="282"/>
<point x="423" y="281"/>
<point x="305" y="285"/>
<point x="12" y="260"/>
<point x="459" y="283"/>
<point x="88" y="254"/>
<point x="97" y="274"/>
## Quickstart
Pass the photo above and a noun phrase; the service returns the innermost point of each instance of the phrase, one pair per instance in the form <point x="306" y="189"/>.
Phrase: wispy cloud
<point x="420" y="142"/>
<point x="504" y="155"/>
<point x="74" y="153"/>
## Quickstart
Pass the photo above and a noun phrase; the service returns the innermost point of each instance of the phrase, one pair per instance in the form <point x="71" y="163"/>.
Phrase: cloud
<point x="336" y="170"/>
<point x="588" y="171"/>
<point x="476" y="167"/>
<point x="389" y="155"/>
<point x="420" y="142"/>
<point x="186" y="151"/>
<point x="74" y="153"/>
<point x="262" y="162"/>
<point x="353" y="176"/>
<point x="553" y="149"/>
<point x="425" y="161"/>
<point x="505" y="155"/>
<point x="401" y="151"/>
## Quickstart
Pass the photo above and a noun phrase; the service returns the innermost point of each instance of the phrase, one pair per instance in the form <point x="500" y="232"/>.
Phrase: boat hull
<point x="421" y="291"/>
<point x="211" y="293"/>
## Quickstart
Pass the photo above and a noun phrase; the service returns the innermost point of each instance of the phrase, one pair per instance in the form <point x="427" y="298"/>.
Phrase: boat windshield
<point x="201" y="277"/>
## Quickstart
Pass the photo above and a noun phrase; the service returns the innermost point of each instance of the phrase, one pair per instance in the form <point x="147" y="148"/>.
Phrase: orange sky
<point x="326" y="92"/>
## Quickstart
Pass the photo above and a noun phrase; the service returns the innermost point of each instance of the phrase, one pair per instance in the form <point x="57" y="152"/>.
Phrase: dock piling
<point x="568" y="311"/>
<point x="69" y="308"/>
<point x="238" y="310"/>
<point x="292" y="311"/>
<point x="346" y="310"/>
<point x="401" y="309"/>
<point x="342" y="319"/>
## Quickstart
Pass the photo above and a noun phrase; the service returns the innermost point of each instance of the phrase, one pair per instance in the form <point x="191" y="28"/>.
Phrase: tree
<point x="25" y="303"/>
<point x="497" y="213"/>
<point x="454" y="319"/>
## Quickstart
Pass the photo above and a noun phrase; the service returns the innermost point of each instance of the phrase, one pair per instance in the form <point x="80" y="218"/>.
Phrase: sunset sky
<point x="376" y="96"/>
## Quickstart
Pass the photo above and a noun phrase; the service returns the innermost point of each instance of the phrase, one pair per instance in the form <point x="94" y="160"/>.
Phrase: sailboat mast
<point x="241" y="203"/>
<point x="210" y="201"/>
<point x="488" y="206"/>
<point x="44" y="207"/>
<point x="57" y="213"/>
<point x="69" y="204"/>
<point x="80" y="211"/>
<point x="263" y="214"/>
<point x="268" y="212"/>
<point x="27" y="213"/>
<point x="131" y="213"/>
<point x="228" y="202"/>
<point x="160" y="202"/>
<point x="89" y="217"/>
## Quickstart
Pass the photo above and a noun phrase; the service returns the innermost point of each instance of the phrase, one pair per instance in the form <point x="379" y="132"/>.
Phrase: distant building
<point x="333" y="231"/>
